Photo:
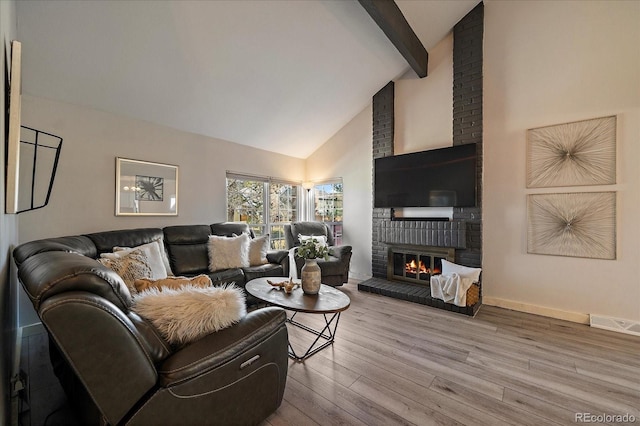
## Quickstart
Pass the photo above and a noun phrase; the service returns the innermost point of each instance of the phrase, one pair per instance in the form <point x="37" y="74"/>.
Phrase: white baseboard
<point x="31" y="329"/>
<point x="536" y="310"/>
<point x="615" y="324"/>
<point x="359" y="277"/>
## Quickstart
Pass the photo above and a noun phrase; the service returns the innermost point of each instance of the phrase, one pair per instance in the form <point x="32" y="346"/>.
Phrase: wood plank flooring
<point x="400" y="363"/>
<point x="396" y="362"/>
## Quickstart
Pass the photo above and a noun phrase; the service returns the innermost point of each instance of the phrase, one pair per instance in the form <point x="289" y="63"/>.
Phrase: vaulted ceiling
<point x="283" y="76"/>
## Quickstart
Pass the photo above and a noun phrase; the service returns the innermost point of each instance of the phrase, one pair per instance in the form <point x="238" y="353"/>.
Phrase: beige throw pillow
<point x="132" y="266"/>
<point x="186" y="314"/>
<point x="228" y="252"/>
<point x="258" y="248"/>
<point x="156" y="253"/>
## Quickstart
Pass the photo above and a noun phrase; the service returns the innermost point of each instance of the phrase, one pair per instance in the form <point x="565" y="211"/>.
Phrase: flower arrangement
<point x="311" y="248"/>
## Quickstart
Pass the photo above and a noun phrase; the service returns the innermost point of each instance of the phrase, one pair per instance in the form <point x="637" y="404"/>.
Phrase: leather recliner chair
<point x="334" y="270"/>
<point x="117" y="369"/>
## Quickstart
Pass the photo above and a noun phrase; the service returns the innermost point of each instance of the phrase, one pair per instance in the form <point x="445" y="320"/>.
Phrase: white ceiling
<point x="283" y="76"/>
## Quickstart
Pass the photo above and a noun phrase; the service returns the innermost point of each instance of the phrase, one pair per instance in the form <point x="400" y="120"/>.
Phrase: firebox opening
<point x="417" y="264"/>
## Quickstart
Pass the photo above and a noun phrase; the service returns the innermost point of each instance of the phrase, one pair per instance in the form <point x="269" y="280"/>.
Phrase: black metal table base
<point x="326" y="336"/>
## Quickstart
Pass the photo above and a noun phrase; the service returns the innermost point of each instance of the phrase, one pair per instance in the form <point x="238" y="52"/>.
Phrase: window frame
<point x="335" y="226"/>
<point x="267" y="227"/>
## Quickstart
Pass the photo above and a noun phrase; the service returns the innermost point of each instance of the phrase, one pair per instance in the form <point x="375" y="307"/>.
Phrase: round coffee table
<point x="329" y="302"/>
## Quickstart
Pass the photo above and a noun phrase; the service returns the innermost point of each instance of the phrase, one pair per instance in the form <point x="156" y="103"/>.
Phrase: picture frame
<point x="578" y="153"/>
<point x="13" y="138"/>
<point x="145" y="188"/>
<point x="575" y="224"/>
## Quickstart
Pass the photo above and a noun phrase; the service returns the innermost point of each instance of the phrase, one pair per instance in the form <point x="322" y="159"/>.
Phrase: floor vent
<point x="615" y="324"/>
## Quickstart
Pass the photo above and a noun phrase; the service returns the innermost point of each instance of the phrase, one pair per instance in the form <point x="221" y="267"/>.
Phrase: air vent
<point x="615" y="324"/>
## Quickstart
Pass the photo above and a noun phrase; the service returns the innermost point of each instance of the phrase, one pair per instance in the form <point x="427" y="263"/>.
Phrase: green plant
<point x="311" y="248"/>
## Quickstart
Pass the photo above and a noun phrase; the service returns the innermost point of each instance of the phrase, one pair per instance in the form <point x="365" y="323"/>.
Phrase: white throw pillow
<point x="186" y="314"/>
<point x="131" y="266"/>
<point x="228" y="252"/>
<point x="322" y="239"/>
<point x="163" y="254"/>
<point x="154" y="258"/>
<point x="448" y="268"/>
<point x="258" y="248"/>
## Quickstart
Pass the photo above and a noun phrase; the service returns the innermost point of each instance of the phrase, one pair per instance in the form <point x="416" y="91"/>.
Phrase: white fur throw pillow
<point x="132" y="266"/>
<point x="228" y="252"/>
<point x="186" y="314"/>
<point x="258" y="248"/>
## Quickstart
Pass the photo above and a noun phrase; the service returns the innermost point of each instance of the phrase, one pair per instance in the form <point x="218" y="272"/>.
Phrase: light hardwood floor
<point x="400" y="363"/>
<point x="397" y="362"/>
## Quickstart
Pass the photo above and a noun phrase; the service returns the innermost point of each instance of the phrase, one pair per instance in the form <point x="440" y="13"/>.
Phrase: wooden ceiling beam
<point x="392" y="22"/>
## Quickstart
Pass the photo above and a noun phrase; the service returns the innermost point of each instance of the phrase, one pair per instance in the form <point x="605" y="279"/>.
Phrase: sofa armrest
<point x="277" y="256"/>
<point x="223" y="346"/>
<point x="104" y="349"/>
<point x="339" y="251"/>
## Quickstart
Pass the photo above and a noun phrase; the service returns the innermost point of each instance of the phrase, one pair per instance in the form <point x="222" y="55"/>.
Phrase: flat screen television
<point x="444" y="177"/>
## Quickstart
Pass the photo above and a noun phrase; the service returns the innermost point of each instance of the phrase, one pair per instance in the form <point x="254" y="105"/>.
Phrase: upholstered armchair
<point x="335" y="270"/>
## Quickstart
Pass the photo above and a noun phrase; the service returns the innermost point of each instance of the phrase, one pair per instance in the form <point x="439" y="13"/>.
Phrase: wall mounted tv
<point x="444" y="177"/>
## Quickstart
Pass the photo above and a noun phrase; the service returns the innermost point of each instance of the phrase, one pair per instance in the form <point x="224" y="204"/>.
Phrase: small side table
<point x="329" y="302"/>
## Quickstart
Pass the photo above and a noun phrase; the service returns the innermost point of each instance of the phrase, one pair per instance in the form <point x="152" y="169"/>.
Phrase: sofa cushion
<point x="229" y="229"/>
<point x="106" y="241"/>
<point x="188" y="313"/>
<point x="187" y="246"/>
<point x="75" y="244"/>
<point x="266" y="270"/>
<point x="46" y="274"/>
<point x="235" y="275"/>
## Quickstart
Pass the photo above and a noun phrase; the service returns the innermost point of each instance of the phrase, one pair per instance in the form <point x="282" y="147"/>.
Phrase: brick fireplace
<point x="462" y="234"/>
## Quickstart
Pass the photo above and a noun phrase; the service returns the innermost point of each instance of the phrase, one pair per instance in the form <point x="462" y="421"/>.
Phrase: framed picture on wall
<point x="144" y="188"/>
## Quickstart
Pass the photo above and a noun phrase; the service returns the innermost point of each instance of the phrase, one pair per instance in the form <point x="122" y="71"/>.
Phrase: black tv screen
<point x="444" y="177"/>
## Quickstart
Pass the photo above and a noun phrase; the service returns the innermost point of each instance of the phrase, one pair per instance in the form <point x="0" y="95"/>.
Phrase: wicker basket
<point x="473" y="295"/>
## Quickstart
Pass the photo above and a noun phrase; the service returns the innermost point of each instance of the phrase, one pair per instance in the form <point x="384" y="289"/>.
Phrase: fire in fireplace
<point x="417" y="263"/>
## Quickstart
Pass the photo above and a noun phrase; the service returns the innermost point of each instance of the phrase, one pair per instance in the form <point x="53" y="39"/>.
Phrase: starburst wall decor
<point x="572" y="224"/>
<point x="572" y="154"/>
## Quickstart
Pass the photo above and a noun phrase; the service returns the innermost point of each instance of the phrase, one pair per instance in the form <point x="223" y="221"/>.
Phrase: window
<point x="265" y="204"/>
<point x="328" y="199"/>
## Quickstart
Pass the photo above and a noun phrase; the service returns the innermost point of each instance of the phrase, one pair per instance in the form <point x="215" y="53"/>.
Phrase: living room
<point x="545" y="63"/>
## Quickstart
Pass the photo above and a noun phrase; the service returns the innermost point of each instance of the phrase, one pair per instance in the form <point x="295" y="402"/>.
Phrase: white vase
<point x="311" y="277"/>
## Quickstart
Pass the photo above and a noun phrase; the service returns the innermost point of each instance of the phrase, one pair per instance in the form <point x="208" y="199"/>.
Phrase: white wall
<point x="547" y="63"/>
<point x="424" y="107"/>
<point x="348" y="154"/>
<point x="83" y="198"/>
